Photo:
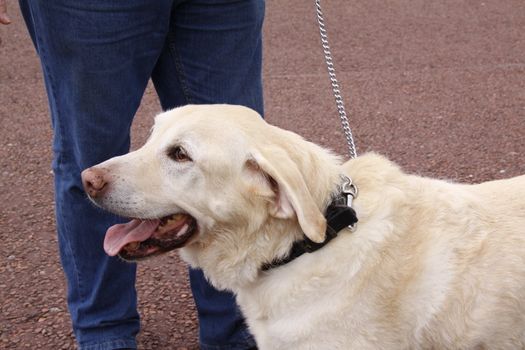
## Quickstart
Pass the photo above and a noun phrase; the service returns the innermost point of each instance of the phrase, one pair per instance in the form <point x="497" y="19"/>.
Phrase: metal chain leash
<point x="335" y="84"/>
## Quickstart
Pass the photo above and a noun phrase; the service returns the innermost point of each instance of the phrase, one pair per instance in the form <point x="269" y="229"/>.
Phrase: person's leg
<point x="97" y="56"/>
<point x="213" y="55"/>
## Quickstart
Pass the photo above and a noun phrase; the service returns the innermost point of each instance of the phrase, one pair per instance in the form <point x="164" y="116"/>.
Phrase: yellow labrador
<point x="430" y="265"/>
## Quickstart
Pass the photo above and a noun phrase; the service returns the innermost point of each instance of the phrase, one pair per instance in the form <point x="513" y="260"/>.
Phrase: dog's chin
<point x="145" y="238"/>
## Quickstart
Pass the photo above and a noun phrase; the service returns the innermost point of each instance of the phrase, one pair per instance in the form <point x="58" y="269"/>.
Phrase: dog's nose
<point x="94" y="181"/>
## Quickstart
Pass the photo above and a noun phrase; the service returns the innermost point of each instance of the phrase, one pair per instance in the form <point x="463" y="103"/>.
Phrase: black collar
<point x="339" y="215"/>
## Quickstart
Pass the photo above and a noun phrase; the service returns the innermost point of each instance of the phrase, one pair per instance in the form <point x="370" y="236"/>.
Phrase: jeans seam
<point x="59" y="127"/>
<point x="179" y="68"/>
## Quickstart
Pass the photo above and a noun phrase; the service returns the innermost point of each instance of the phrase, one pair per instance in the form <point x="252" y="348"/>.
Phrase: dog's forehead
<point x="219" y="123"/>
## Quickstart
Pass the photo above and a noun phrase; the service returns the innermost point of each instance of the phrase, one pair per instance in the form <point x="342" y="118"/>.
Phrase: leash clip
<point x="349" y="189"/>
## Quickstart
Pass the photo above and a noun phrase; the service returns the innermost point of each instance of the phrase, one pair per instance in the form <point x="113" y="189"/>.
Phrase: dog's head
<point x="206" y="171"/>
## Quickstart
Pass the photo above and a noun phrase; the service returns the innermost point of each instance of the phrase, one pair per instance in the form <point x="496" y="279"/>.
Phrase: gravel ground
<point x="437" y="86"/>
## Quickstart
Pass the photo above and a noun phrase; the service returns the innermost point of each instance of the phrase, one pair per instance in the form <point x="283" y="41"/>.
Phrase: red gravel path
<point x="438" y="86"/>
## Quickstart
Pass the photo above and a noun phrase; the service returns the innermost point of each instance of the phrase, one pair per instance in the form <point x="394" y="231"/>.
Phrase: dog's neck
<point x="232" y="264"/>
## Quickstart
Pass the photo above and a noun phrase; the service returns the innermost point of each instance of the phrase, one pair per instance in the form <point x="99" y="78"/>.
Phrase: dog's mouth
<point x="139" y="238"/>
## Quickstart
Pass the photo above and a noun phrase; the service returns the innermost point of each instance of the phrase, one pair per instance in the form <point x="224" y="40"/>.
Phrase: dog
<point x="429" y="264"/>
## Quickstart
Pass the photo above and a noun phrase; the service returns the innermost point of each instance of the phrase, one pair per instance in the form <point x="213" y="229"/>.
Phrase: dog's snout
<point x="95" y="181"/>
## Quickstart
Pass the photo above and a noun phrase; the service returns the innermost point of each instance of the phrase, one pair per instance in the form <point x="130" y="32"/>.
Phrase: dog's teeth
<point x="182" y="231"/>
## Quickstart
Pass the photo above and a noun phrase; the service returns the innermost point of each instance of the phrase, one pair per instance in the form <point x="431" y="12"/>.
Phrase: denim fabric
<point x="97" y="57"/>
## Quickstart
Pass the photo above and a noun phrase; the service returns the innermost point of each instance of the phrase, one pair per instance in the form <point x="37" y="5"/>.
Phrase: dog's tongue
<point x="119" y="235"/>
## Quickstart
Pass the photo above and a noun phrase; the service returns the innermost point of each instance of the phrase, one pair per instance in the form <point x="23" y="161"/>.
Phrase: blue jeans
<point x="97" y="57"/>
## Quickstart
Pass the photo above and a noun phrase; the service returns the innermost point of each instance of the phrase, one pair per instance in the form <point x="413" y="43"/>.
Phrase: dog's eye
<point x="178" y="154"/>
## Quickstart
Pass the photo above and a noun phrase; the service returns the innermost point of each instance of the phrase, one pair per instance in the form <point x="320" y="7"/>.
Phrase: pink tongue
<point x="119" y="235"/>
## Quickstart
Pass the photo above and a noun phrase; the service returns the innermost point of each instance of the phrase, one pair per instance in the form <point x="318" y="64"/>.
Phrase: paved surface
<point x="438" y="86"/>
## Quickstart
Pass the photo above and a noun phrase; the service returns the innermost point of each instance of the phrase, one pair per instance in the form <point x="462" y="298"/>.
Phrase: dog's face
<point x="205" y="170"/>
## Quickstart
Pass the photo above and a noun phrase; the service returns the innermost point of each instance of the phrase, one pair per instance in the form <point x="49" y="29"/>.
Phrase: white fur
<point x="432" y="264"/>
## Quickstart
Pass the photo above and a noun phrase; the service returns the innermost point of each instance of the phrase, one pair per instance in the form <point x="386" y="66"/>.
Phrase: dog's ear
<point x="283" y="184"/>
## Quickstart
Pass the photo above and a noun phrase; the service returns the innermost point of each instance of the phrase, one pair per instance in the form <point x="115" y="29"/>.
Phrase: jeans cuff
<point x="109" y="345"/>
